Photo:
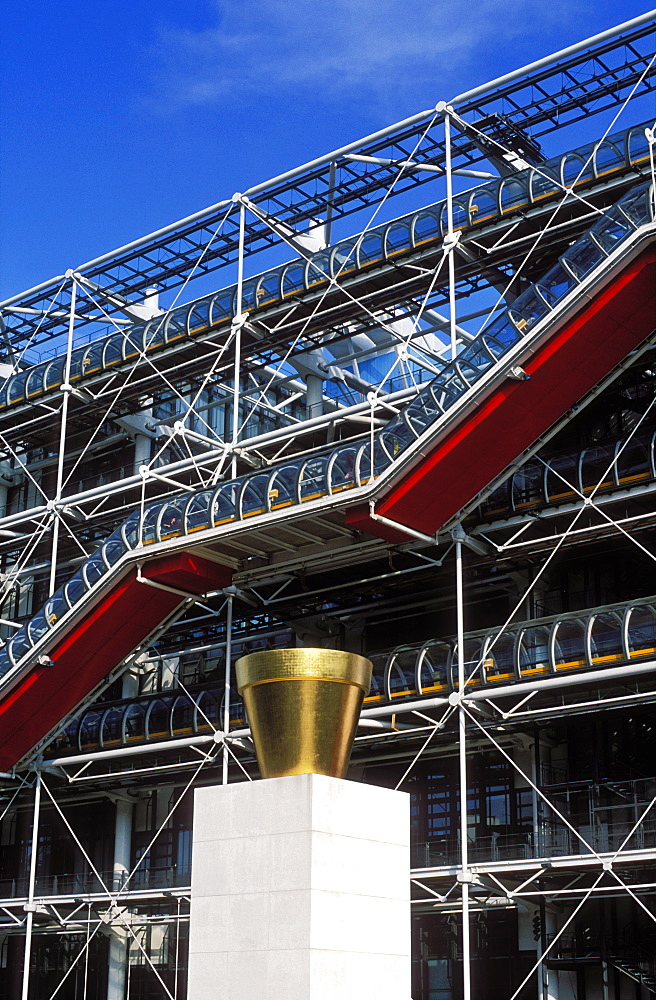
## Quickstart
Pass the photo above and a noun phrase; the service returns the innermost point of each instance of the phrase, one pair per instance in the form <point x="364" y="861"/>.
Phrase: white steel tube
<point x="226" y="689"/>
<point x="453" y="326"/>
<point x="66" y="389"/>
<point x="30" y="897"/>
<point x="237" y="367"/>
<point x="462" y="766"/>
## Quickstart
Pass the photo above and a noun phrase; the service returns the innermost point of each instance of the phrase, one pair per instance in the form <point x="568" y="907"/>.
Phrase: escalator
<point x="530" y="363"/>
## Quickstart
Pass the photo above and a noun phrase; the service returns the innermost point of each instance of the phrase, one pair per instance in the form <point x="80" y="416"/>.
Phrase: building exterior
<point x="426" y="434"/>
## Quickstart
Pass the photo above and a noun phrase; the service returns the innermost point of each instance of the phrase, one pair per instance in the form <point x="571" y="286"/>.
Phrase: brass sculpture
<point x="303" y="707"/>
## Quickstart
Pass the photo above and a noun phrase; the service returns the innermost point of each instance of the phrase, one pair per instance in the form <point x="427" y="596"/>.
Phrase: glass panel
<point x="112" y="728"/>
<point x="93" y="569"/>
<point x="199" y="318"/>
<point x="377" y="690"/>
<point x="35" y="381"/>
<point x="474" y="361"/>
<point x="157" y="721"/>
<point x="268" y="288"/>
<point x="642" y="631"/>
<point x="433" y="672"/>
<point x="460" y="216"/>
<point x="293" y="279"/>
<point x="55" y="370"/>
<point x="344" y="258"/>
<point x="221" y="307"/>
<point x="254" y="495"/>
<point x="583" y="256"/>
<point x="425" y="227"/>
<point x="318" y="268"/>
<point x="247" y="296"/>
<point x="370" y="249"/>
<point x="499" y="662"/>
<point x="37" y="627"/>
<point x="527" y="309"/>
<point x="472" y="663"/>
<point x="90" y="730"/>
<point x="543" y="184"/>
<point x="77" y="357"/>
<point x="633" y="462"/>
<point x="113" y="351"/>
<point x="569" y="648"/>
<point x="527" y="486"/>
<point x="606" y="639"/>
<point x="75" y="589"/>
<point x="55" y="607"/>
<point x="16" y="388"/>
<point x="133" y="342"/>
<point x="130" y="529"/>
<point x="113" y="549"/>
<point x="555" y="284"/>
<point x="497" y="503"/>
<point x="149" y="527"/>
<point x="198" y="512"/>
<point x="402" y="672"/>
<point x="607" y="158"/>
<point x="183" y="715"/>
<point x="636" y="205"/>
<point x="175" y="327"/>
<point x="5" y="663"/>
<point x="154" y="332"/>
<point x="171" y="522"/>
<point x="207" y="713"/>
<point x="597" y="468"/>
<point x="224" y="504"/>
<point x="395" y="438"/>
<point x="313" y="478"/>
<point x="282" y="488"/>
<point x="135" y="723"/>
<point x="397" y="238"/>
<point x="92" y="360"/>
<point x="574" y="170"/>
<point x="513" y="195"/>
<point x="482" y="206"/>
<point x="500" y="336"/>
<point x="19" y="645"/>
<point x="422" y="412"/>
<point x="562" y="478"/>
<point x="612" y="229"/>
<point x="638" y="147"/>
<point x="534" y="651"/>
<point x="342" y="470"/>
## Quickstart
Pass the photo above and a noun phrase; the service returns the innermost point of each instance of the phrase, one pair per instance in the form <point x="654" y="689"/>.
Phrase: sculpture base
<point x="300" y="889"/>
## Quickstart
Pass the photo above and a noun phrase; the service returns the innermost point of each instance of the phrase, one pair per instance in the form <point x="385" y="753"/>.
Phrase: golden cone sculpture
<point x="303" y="707"/>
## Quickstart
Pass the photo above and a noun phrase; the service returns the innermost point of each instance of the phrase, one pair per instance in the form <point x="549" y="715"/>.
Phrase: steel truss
<point x="57" y="523"/>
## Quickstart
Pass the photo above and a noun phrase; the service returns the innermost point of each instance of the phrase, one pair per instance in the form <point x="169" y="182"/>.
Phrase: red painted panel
<point x="94" y="646"/>
<point x="489" y="437"/>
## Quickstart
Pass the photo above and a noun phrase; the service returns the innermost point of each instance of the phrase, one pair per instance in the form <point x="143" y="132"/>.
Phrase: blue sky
<point x="120" y="117"/>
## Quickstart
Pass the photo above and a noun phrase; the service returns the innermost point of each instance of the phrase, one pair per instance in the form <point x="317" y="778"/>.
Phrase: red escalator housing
<point x="489" y="437"/>
<point x="120" y="620"/>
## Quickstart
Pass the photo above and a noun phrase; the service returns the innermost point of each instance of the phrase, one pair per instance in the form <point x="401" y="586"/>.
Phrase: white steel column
<point x="463" y="875"/>
<point x="450" y="236"/>
<point x="226" y="688"/>
<point x="30" y="892"/>
<point x="238" y="325"/>
<point x="66" y="389"/>
<point x="117" y="969"/>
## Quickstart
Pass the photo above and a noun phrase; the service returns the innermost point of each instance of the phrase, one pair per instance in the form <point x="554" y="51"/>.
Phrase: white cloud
<point x="350" y="49"/>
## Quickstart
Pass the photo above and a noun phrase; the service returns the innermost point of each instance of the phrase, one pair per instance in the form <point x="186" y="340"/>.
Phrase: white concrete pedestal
<point x="300" y="891"/>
